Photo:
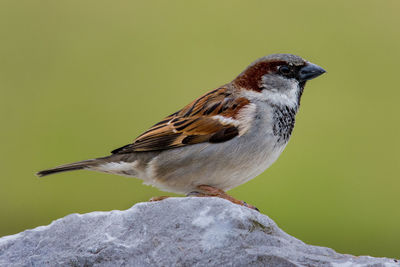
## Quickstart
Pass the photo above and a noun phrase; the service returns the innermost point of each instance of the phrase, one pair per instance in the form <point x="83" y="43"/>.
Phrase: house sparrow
<point x="222" y="139"/>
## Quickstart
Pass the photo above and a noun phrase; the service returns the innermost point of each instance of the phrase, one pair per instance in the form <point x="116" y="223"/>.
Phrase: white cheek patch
<point x="288" y="97"/>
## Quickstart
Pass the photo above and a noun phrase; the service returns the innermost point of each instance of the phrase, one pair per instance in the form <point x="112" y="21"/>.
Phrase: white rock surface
<point x="173" y="232"/>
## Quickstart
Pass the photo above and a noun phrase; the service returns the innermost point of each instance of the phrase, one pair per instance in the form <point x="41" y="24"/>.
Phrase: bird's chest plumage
<point x="256" y="150"/>
<point x="228" y="164"/>
<point x="283" y="122"/>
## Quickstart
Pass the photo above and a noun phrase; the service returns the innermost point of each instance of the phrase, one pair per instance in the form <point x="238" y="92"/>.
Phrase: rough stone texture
<point x="173" y="232"/>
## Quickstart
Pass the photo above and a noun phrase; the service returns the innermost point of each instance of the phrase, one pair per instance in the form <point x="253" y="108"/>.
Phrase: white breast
<point x="258" y="149"/>
<point x="222" y="165"/>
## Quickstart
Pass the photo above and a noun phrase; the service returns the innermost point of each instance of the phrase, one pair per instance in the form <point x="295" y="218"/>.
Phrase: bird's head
<point x="278" y="79"/>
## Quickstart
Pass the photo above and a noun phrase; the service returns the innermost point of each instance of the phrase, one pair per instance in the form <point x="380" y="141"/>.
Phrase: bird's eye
<point x="284" y="70"/>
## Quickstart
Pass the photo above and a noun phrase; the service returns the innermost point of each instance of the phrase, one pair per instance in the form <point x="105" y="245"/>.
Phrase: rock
<point x="172" y="232"/>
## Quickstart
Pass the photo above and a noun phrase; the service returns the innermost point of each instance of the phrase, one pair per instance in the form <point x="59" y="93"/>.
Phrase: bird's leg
<point x="158" y="198"/>
<point x="209" y="191"/>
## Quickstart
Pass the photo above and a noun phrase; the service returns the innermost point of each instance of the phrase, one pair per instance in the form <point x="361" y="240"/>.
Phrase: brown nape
<point x="250" y="79"/>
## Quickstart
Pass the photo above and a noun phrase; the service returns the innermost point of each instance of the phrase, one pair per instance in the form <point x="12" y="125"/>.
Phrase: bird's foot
<point x="209" y="191"/>
<point x="153" y="199"/>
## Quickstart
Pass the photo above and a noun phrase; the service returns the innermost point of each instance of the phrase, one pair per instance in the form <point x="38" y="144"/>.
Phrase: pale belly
<point x="224" y="166"/>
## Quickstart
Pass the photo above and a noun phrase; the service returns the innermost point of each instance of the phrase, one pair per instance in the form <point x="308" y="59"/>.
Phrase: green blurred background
<point x="80" y="78"/>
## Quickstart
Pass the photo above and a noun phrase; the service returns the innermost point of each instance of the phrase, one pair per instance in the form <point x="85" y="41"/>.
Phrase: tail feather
<point x="69" y="167"/>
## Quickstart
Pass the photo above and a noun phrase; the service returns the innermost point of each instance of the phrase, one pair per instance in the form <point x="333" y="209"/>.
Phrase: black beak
<point x="310" y="71"/>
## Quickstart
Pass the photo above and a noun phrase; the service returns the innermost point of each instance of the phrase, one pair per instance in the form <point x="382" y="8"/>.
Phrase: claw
<point x="153" y="199"/>
<point x="194" y="194"/>
<point x="209" y="191"/>
<point x="250" y="206"/>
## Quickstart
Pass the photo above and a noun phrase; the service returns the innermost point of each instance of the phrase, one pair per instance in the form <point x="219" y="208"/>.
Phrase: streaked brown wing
<point x="201" y="121"/>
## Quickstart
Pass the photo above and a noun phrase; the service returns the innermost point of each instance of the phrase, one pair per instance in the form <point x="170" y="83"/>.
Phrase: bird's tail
<point x="85" y="164"/>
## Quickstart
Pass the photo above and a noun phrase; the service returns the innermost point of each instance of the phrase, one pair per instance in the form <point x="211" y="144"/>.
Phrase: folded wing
<point x="211" y="118"/>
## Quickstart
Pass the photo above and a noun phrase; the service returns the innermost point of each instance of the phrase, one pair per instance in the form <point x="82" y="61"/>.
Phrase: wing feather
<point x="196" y="123"/>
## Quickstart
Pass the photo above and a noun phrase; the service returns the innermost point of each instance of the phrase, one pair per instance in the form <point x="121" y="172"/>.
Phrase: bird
<point x="222" y="139"/>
